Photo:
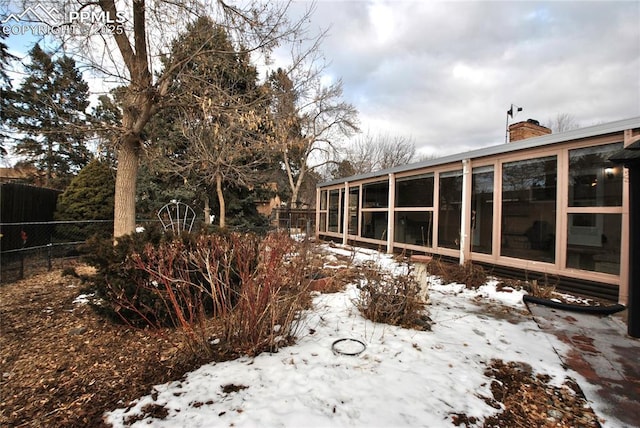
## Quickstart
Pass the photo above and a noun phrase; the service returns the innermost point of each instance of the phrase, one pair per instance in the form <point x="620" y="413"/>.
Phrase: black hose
<point x="597" y="310"/>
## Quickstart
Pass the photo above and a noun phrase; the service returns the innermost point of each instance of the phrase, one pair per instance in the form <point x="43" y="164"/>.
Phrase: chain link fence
<point x="27" y="248"/>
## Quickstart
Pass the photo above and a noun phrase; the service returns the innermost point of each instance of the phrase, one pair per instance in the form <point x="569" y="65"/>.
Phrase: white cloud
<point x="446" y="72"/>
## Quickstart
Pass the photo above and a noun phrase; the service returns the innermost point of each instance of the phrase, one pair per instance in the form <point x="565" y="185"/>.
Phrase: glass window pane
<point x="323" y="222"/>
<point x="414" y="228"/>
<point x="323" y="200"/>
<point x="334" y="208"/>
<point x="593" y="242"/>
<point x="374" y="225"/>
<point x="354" y="195"/>
<point x="375" y="195"/>
<point x="593" y="180"/>
<point x="482" y="210"/>
<point x="450" y="209"/>
<point x="529" y="209"/>
<point x="415" y="191"/>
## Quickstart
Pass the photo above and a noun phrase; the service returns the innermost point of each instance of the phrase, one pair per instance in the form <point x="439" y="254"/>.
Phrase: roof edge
<point x="550" y="139"/>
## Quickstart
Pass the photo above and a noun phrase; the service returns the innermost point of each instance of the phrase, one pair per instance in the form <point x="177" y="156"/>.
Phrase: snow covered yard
<point x="404" y="377"/>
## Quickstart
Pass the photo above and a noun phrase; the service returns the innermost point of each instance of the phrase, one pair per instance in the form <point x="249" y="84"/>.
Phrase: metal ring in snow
<point x="350" y="353"/>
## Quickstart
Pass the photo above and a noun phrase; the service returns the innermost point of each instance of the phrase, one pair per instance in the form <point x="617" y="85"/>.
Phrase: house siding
<point x="553" y="254"/>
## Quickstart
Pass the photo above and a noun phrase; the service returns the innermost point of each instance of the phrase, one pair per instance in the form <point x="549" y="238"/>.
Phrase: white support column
<point x="318" y="205"/>
<point x="465" y="212"/>
<point x="345" y="214"/>
<point x="391" y="212"/>
<point x="623" y="289"/>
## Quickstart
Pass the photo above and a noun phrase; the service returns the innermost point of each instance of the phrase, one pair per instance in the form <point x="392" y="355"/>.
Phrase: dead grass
<point x="473" y="276"/>
<point x="544" y="291"/>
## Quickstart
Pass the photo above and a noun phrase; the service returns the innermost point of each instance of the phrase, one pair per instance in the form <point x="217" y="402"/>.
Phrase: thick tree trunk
<point x="220" y="200"/>
<point x="138" y="105"/>
<point x="124" y="221"/>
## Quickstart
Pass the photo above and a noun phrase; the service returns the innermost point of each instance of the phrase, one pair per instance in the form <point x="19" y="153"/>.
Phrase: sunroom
<point x="549" y="205"/>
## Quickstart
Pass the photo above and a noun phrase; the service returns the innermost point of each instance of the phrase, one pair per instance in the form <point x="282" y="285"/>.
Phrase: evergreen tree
<point x="6" y="95"/>
<point x="89" y="196"/>
<point x="49" y="111"/>
<point x="106" y="120"/>
<point x="284" y="98"/>
<point x="5" y="59"/>
<point x="220" y="111"/>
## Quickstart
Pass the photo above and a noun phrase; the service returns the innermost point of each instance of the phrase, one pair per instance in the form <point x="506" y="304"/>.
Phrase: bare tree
<point x="220" y="112"/>
<point x="311" y="119"/>
<point x="369" y="153"/>
<point x="563" y="122"/>
<point x="126" y="47"/>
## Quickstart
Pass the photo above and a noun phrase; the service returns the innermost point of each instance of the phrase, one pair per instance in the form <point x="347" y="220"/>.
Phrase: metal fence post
<point x="49" y="263"/>
<point x="24" y="237"/>
<point x="21" y="273"/>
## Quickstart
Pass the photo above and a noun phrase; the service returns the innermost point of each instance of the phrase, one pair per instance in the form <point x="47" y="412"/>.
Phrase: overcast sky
<point x="445" y="73"/>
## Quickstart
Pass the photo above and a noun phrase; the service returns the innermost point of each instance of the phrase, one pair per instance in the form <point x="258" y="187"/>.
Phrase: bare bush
<point x="391" y="299"/>
<point x="272" y="294"/>
<point x="242" y="290"/>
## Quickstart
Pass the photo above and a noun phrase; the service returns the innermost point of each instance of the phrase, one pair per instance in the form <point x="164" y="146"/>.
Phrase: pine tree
<point x="107" y="122"/>
<point x="5" y="59"/>
<point x="221" y="113"/>
<point x="89" y="196"/>
<point x="6" y="94"/>
<point x="49" y="112"/>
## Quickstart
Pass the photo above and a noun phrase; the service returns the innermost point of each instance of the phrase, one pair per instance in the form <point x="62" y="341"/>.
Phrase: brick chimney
<point x="528" y="129"/>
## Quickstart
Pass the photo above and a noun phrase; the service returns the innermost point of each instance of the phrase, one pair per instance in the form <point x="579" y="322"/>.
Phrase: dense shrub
<point x="89" y="196"/>
<point x="241" y="289"/>
<point x="272" y="294"/>
<point x="117" y="277"/>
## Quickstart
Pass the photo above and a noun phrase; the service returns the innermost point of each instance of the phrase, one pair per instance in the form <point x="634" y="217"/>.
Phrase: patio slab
<point x="604" y="354"/>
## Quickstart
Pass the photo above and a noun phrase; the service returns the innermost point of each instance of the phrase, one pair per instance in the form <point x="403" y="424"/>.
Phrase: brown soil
<point x="63" y="365"/>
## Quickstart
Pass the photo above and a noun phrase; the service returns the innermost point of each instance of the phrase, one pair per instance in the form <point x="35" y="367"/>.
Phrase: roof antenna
<point x="513" y="110"/>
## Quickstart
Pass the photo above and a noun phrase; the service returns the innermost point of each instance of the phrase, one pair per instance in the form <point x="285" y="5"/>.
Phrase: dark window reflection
<point x="415" y="191"/>
<point x="593" y="242"/>
<point x="593" y="180"/>
<point x="414" y="228"/>
<point x="354" y="194"/>
<point x="374" y="225"/>
<point x="450" y="210"/>
<point x="529" y="209"/>
<point x="375" y="195"/>
<point x="334" y="211"/>
<point x="482" y="210"/>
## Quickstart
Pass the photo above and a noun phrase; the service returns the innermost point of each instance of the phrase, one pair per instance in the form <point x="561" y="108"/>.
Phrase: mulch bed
<point x="63" y="365"/>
